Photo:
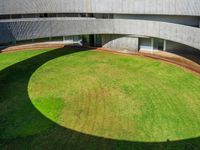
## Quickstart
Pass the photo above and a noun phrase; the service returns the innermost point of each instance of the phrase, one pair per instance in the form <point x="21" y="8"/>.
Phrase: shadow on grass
<point x="22" y="126"/>
<point x="193" y="55"/>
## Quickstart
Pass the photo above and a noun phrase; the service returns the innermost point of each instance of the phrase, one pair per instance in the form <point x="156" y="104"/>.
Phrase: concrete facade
<point x="120" y="42"/>
<point x="169" y="20"/>
<point x="167" y="7"/>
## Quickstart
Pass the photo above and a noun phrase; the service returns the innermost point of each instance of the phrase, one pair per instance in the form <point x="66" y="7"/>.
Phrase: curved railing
<point x="24" y="29"/>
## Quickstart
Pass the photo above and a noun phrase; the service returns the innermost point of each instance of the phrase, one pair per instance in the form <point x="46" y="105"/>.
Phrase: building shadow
<point x="191" y="54"/>
<point x="17" y="112"/>
<point x="7" y="38"/>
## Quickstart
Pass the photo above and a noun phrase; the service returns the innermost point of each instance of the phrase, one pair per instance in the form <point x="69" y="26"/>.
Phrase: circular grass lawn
<point x="120" y="97"/>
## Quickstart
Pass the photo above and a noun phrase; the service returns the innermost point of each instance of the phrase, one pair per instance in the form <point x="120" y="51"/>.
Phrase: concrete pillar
<point x="152" y="41"/>
<point x="165" y="45"/>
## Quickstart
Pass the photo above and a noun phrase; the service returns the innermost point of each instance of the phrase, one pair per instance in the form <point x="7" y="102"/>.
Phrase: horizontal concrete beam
<point x="23" y="29"/>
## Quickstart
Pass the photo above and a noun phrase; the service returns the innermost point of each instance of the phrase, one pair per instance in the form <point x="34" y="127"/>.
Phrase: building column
<point x="152" y="41"/>
<point x="165" y="45"/>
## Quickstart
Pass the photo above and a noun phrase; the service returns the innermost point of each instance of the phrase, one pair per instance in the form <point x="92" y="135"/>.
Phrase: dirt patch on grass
<point x="36" y="46"/>
<point x="171" y="58"/>
<point x="177" y="60"/>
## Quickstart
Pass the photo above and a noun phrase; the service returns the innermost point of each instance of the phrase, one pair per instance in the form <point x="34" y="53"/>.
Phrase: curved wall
<point x="38" y="28"/>
<point x="168" y="7"/>
<point x="157" y="24"/>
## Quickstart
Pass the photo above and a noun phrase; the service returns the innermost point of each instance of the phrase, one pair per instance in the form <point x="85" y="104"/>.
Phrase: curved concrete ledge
<point x="24" y="29"/>
<point x="165" y="7"/>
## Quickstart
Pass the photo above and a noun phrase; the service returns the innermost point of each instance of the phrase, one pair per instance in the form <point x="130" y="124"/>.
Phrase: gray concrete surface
<point x="169" y="7"/>
<point x="24" y="29"/>
<point x="120" y="42"/>
<point x="171" y="20"/>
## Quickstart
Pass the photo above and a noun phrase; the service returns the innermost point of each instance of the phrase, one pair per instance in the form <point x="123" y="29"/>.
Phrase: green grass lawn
<point x="75" y="99"/>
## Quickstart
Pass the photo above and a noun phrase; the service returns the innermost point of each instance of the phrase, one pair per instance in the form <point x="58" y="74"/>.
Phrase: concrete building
<point x="117" y="24"/>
